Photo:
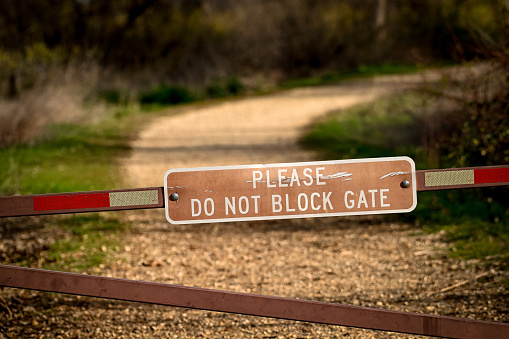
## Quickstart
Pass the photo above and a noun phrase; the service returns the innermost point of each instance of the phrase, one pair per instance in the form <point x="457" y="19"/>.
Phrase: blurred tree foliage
<point x="470" y="127"/>
<point x="194" y="41"/>
<point x="474" y="130"/>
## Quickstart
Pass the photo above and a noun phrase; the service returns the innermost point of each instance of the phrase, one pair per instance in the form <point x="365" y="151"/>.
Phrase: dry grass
<point x="59" y="99"/>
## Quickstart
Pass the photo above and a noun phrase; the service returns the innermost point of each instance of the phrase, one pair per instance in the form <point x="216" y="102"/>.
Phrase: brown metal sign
<point x="291" y="190"/>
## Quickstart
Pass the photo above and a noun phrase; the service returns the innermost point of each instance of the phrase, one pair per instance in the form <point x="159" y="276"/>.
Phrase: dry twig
<point x="461" y="283"/>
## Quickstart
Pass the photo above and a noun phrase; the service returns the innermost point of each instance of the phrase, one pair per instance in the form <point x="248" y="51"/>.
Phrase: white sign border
<point x="297" y="216"/>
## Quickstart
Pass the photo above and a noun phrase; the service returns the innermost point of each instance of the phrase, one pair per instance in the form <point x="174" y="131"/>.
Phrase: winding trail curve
<point x="255" y="130"/>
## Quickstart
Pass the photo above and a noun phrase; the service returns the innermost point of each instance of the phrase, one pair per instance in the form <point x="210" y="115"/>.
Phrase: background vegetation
<point x="141" y="44"/>
<point x="57" y="54"/>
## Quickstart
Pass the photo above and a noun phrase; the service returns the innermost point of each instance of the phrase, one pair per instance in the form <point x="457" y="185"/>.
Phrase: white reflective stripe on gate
<point x="447" y="178"/>
<point x="134" y="198"/>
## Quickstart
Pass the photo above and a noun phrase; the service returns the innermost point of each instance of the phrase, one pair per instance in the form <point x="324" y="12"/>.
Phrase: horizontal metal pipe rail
<point x="153" y="197"/>
<point x="250" y="304"/>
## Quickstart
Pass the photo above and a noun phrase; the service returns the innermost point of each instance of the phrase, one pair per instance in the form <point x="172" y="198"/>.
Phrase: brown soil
<point x="368" y="261"/>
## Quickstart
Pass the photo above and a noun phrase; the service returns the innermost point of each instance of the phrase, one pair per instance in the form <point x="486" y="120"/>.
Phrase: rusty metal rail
<point x="94" y="201"/>
<point x="153" y="197"/>
<point x="466" y="177"/>
<point x="249" y="304"/>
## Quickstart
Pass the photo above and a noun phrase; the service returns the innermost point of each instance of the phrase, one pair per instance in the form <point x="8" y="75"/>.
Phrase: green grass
<point x="365" y="71"/>
<point x="166" y="95"/>
<point x="476" y="221"/>
<point x="89" y="239"/>
<point x="473" y="239"/>
<point x="386" y="127"/>
<point x="79" y="158"/>
<point x="72" y="158"/>
<point x="476" y="225"/>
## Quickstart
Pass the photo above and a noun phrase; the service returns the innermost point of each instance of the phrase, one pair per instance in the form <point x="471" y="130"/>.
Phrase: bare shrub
<point x="469" y="124"/>
<point x="59" y="100"/>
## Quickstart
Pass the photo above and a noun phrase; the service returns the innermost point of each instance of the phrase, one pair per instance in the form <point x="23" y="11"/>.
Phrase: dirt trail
<point x="256" y="130"/>
<point x="357" y="261"/>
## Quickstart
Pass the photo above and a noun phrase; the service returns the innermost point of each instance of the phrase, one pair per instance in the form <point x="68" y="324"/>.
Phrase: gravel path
<point x="368" y="261"/>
